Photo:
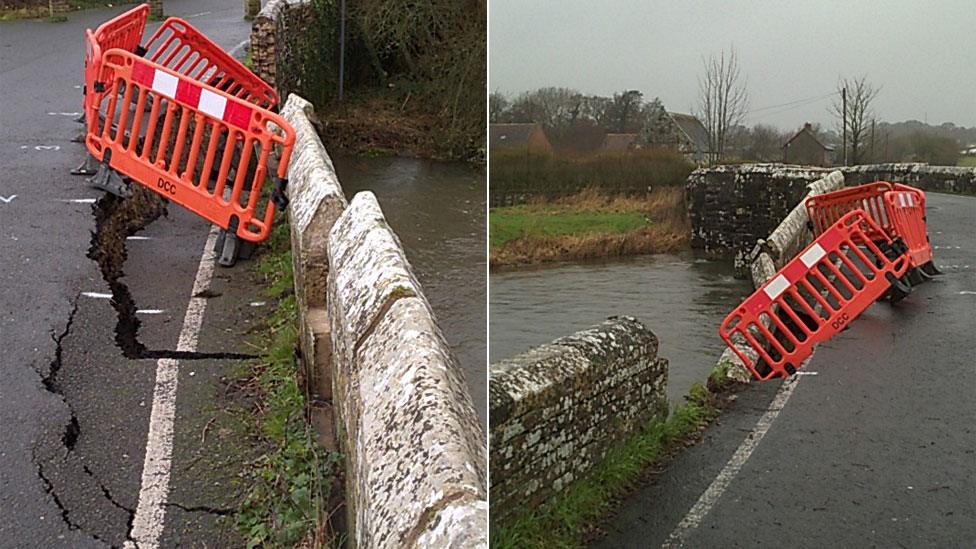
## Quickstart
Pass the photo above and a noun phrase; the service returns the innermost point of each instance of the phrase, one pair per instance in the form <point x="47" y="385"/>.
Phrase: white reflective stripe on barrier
<point x="193" y="94"/>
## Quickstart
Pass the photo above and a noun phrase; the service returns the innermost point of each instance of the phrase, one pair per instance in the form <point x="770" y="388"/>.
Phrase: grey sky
<point x="922" y="54"/>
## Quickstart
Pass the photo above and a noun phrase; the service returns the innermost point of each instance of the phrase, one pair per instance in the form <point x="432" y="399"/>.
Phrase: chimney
<point x="808" y="127"/>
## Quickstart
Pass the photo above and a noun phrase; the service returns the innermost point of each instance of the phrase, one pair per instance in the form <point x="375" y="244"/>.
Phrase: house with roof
<point x="806" y="149"/>
<point x="619" y="142"/>
<point x="683" y="133"/>
<point x="692" y="138"/>
<point x="518" y="137"/>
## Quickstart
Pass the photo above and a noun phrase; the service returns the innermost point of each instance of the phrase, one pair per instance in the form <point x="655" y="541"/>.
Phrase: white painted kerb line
<point x="151" y="511"/>
<point x="718" y="486"/>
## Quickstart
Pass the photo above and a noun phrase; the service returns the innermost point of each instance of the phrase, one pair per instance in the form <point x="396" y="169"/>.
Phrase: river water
<point x="438" y="211"/>
<point x="682" y="298"/>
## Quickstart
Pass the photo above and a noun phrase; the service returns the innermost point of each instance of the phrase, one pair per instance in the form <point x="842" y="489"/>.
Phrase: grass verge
<point x="588" y="225"/>
<point x="967" y="161"/>
<point x="566" y="520"/>
<point x="287" y="503"/>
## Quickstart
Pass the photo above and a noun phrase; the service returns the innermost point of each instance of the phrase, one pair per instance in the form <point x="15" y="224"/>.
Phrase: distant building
<point x="518" y="137"/>
<point x="806" y="150"/>
<point x="682" y="133"/>
<point x="692" y="138"/>
<point x="620" y="142"/>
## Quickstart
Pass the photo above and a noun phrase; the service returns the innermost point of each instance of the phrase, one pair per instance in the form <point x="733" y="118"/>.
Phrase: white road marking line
<point x="714" y="492"/>
<point x="6" y="200"/>
<point x="150" y="311"/>
<point x="147" y="526"/>
<point x="63" y="113"/>
<point x="807" y="373"/>
<point x="967" y="292"/>
<point x="79" y="200"/>
<point x="138" y="238"/>
<point x="97" y="295"/>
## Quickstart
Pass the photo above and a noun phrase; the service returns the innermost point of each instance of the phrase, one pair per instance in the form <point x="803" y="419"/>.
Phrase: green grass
<point x="512" y="223"/>
<point x="967" y="161"/>
<point x="562" y="522"/>
<point x="286" y="506"/>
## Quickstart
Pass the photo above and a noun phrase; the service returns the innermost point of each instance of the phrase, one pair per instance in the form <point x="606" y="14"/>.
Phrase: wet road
<point x="877" y="449"/>
<point x="74" y="412"/>
<point x="438" y="211"/>
<point x="681" y="298"/>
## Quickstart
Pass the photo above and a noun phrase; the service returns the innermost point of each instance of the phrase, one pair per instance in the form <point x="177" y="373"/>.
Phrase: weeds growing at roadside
<point x="290" y="481"/>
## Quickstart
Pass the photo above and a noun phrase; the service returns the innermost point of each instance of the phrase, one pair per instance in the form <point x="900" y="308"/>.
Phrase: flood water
<point x="438" y="211"/>
<point x="681" y="298"/>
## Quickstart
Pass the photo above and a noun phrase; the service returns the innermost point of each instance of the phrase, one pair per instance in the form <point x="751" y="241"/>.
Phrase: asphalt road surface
<point x="877" y="449"/>
<point x="74" y="412"/>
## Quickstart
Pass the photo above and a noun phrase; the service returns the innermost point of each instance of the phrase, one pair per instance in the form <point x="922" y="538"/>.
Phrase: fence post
<point x="251" y="9"/>
<point x="156" y="9"/>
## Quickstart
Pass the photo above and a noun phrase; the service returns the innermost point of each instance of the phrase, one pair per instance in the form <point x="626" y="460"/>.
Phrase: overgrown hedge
<point x="518" y="176"/>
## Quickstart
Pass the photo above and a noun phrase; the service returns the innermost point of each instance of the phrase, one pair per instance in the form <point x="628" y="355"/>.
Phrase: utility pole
<point x="843" y="97"/>
<point x="873" y="159"/>
<point x="342" y="46"/>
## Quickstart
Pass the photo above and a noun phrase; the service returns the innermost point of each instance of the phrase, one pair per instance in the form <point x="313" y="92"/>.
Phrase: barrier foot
<point x="231" y="247"/>
<point x="110" y="181"/>
<point x="80" y="119"/>
<point x="930" y="269"/>
<point x="900" y="288"/>
<point x="88" y="167"/>
<point x="915" y="276"/>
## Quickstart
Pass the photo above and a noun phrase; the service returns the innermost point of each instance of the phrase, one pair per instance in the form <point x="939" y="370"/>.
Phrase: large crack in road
<point x="116" y="219"/>
<point x="51" y="470"/>
<point x="61" y="470"/>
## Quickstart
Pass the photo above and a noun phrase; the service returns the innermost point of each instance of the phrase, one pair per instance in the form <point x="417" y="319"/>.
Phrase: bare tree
<point x="764" y="143"/>
<point x="857" y="118"/>
<point x="722" y="99"/>
<point x="498" y="104"/>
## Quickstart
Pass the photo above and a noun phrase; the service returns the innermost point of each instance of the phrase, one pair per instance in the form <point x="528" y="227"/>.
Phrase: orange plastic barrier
<point x="122" y="32"/>
<point x="899" y="210"/>
<point x="906" y="208"/>
<point x="825" y="209"/>
<point x="815" y="296"/>
<point x="198" y="146"/>
<point x="177" y="46"/>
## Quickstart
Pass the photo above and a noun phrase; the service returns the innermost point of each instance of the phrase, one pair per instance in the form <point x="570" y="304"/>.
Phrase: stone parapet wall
<point x="730" y="207"/>
<point x="277" y="43"/>
<point x="414" y="449"/>
<point x="950" y="179"/>
<point x="557" y="409"/>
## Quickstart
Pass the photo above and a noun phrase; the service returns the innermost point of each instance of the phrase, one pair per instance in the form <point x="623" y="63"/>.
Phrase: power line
<point x="786" y="107"/>
<point x="807" y="100"/>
